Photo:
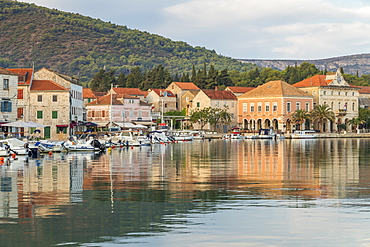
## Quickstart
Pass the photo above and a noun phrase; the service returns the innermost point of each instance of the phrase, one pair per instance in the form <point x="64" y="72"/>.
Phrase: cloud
<point x="242" y="28"/>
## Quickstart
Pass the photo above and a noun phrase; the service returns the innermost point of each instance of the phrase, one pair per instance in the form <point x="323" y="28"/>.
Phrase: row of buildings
<point x="61" y="104"/>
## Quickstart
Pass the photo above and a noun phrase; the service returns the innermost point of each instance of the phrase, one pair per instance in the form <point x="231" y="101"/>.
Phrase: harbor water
<point x="200" y="193"/>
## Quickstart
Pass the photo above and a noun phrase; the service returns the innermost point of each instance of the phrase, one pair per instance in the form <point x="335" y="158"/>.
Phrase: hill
<point x="351" y="64"/>
<point x="80" y="46"/>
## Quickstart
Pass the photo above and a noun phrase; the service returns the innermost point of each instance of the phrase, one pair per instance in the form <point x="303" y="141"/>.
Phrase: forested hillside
<point x="80" y="46"/>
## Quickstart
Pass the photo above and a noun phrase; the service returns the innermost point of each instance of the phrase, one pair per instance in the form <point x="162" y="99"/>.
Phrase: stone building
<point x="49" y="105"/>
<point x="72" y="84"/>
<point x="179" y="89"/>
<point x="161" y="101"/>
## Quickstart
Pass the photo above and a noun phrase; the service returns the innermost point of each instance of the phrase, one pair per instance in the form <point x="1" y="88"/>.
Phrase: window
<point x="274" y="108"/>
<point x="6" y="106"/>
<point x="288" y="107"/>
<point x="20" y="93"/>
<point x="339" y="106"/>
<point x="324" y="92"/>
<point x="252" y="107"/>
<point x="198" y="104"/>
<point x="332" y="92"/>
<point x="353" y="106"/>
<point x="332" y="105"/>
<point x="353" y="93"/>
<point x="54" y="114"/>
<point x="338" y="93"/>
<point x="39" y="98"/>
<point x="39" y="114"/>
<point x="267" y="106"/>
<point x="20" y="113"/>
<point x="6" y="84"/>
<point x="245" y="107"/>
<point x="259" y="107"/>
<point x="346" y="93"/>
<point x="298" y="106"/>
<point x="307" y="106"/>
<point x="55" y="98"/>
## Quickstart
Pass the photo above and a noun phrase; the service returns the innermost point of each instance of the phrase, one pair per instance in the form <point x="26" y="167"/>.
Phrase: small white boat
<point x="49" y="146"/>
<point x="182" y="135"/>
<point x="264" y="134"/>
<point x="90" y="145"/>
<point x="13" y="146"/>
<point x="303" y="134"/>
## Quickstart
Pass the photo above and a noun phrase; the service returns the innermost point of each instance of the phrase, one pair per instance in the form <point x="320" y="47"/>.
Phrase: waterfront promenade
<point x="288" y="136"/>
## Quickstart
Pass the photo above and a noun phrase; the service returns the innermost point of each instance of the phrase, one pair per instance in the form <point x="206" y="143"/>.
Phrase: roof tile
<point x="46" y="85"/>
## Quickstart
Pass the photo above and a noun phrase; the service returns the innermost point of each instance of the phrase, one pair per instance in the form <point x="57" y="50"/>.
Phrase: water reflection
<point x="83" y="198"/>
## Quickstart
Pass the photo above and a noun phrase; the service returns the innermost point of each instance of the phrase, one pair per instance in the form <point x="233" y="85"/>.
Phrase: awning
<point x="62" y="125"/>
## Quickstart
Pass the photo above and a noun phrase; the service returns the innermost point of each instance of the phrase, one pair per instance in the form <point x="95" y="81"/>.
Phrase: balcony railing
<point x="341" y="112"/>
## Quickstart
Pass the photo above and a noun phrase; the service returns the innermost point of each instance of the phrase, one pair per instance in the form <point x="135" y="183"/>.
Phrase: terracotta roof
<point x="87" y="93"/>
<point x="24" y="75"/>
<point x="216" y="94"/>
<point x="46" y="85"/>
<point x="314" y="81"/>
<point x="274" y="89"/>
<point x="163" y="92"/>
<point x="132" y="91"/>
<point x="240" y="89"/>
<point x="186" y="85"/>
<point x="6" y="72"/>
<point x="363" y="89"/>
<point x="109" y="99"/>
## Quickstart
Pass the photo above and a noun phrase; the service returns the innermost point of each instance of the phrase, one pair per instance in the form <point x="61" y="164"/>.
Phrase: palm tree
<point x="322" y="113"/>
<point x="299" y="117"/>
<point x="356" y="122"/>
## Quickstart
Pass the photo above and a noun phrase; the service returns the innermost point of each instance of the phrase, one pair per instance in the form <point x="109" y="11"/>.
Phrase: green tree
<point x="322" y="113"/>
<point x="134" y="79"/>
<point x="102" y="81"/>
<point x="219" y="116"/>
<point x="299" y="117"/>
<point x="356" y="122"/>
<point x="200" y="116"/>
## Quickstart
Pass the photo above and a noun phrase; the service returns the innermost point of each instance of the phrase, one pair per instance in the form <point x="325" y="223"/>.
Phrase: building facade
<point x="271" y="106"/>
<point x="8" y="95"/>
<point x="332" y="90"/>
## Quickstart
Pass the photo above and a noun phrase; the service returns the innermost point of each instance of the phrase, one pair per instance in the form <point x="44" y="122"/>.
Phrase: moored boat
<point x="303" y="134"/>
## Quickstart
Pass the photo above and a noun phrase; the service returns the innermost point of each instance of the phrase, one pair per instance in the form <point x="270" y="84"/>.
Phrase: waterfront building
<point x="69" y="82"/>
<point x="115" y="109"/>
<point x="216" y="99"/>
<point x="25" y="78"/>
<point x="161" y="101"/>
<point x="88" y="95"/>
<point x="332" y="90"/>
<point x="50" y="106"/>
<point x="8" y="95"/>
<point x="179" y="89"/>
<point x="271" y="105"/>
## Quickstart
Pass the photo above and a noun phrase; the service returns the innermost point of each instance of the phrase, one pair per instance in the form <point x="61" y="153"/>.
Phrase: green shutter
<point x="54" y="114"/>
<point x="39" y="114"/>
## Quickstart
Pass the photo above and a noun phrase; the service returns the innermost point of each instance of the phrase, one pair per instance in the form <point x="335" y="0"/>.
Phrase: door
<point x="47" y="132"/>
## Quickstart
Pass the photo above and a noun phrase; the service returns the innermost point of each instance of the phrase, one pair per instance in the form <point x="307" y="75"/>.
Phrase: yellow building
<point x="332" y="90"/>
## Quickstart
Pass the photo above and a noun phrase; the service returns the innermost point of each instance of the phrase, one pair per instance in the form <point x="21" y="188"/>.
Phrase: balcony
<point x="341" y="112"/>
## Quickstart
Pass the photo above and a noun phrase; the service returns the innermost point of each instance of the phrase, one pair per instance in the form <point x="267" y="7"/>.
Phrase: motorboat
<point x="159" y="137"/>
<point x="265" y="134"/>
<point x="14" y="146"/>
<point x="303" y="134"/>
<point x="182" y="135"/>
<point x="45" y="146"/>
<point x="90" y="145"/>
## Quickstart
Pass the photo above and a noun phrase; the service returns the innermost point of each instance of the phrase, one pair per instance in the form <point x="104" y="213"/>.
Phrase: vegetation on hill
<point x="210" y="78"/>
<point x="80" y="46"/>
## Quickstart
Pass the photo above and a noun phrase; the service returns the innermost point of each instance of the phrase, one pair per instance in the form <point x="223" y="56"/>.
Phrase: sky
<point x="244" y="29"/>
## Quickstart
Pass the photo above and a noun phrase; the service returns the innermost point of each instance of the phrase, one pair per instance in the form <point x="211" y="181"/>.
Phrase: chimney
<point x="216" y="87"/>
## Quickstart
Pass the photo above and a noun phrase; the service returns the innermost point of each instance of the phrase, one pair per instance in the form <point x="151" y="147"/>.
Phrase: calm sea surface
<point x="200" y="193"/>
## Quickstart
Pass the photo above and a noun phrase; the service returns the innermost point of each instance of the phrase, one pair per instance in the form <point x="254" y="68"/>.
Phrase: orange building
<point x="271" y="105"/>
